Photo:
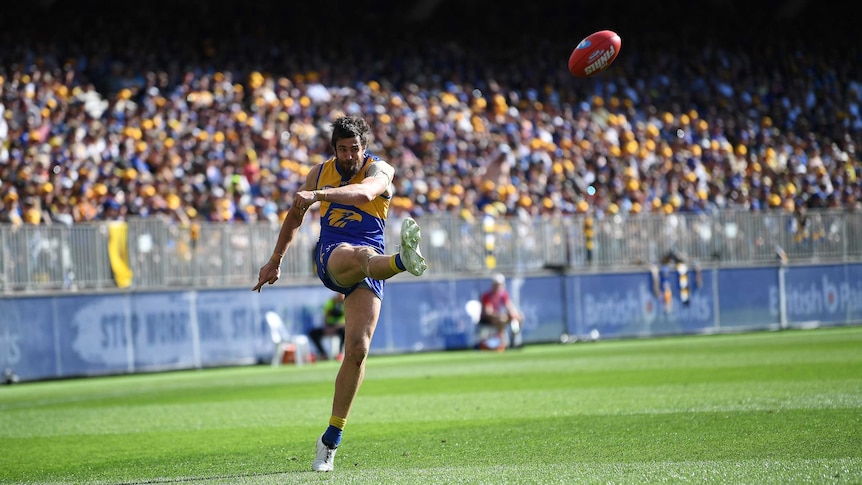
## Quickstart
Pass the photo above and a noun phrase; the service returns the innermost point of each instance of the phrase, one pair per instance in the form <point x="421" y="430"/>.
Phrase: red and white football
<point x="595" y="53"/>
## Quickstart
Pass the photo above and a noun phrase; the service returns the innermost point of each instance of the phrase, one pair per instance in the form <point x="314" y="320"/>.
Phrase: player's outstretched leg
<point x="411" y="257"/>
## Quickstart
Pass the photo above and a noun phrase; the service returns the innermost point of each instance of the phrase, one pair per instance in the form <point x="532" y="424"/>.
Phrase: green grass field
<point x="758" y="408"/>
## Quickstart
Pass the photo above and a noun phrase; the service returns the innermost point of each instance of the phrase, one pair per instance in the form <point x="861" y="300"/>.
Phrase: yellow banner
<point x="118" y="252"/>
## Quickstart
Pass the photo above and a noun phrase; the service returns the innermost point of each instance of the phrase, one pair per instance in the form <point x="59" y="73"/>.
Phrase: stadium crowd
<point x="217" y="115"/>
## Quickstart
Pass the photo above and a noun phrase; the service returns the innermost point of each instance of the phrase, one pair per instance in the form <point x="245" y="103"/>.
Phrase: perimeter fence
<point x="157" y="254"/>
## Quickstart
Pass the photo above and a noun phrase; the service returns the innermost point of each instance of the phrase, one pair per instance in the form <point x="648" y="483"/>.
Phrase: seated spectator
<point x="333" y="324"/>
<point x="500" y="314"/>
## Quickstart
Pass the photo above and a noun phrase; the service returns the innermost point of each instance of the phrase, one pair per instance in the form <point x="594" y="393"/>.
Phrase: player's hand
<point x="303" y="200"/>
<point x="269" y="273"/>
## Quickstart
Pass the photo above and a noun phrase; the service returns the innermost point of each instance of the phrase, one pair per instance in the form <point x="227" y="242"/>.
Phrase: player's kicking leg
<point x="411" y="257"/>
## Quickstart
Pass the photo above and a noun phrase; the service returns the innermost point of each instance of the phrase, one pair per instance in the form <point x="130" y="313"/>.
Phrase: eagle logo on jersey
<point x="340" y="217"/>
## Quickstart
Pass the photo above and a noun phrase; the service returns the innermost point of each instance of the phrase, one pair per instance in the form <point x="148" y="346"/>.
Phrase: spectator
<point x="500" y="314"/>
<point x="11" y="212"/>
<point x="333" y="325"/>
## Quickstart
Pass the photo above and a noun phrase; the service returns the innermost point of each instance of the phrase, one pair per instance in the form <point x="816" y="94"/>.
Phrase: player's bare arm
<point x="377" y="182"/>
<point x="271" y="271"/>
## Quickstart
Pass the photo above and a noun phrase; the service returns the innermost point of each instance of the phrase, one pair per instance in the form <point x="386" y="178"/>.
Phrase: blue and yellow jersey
<point x="359" y="225"/>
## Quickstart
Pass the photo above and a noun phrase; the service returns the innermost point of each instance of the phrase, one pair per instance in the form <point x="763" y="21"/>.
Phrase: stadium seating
<point x="224" y="130"/>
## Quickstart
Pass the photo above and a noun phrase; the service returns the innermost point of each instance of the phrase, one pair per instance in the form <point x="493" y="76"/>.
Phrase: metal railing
<point x="206" y="255"/>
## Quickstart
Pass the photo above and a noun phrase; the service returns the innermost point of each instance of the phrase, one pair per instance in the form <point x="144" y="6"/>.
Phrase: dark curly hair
<point x="349" y="127"/>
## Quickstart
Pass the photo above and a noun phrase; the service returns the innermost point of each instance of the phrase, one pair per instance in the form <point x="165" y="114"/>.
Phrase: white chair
<point x="332" y="345"/>
<point x="474" y="311"/>
<point x="283" y="342"/>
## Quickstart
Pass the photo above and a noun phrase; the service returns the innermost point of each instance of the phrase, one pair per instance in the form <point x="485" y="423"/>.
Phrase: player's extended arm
<point x="377" y="181"/>
<point x="271" y="271"/>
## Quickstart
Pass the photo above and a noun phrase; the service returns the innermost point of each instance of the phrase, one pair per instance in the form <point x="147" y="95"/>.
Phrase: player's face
<point x="349" y="155"/>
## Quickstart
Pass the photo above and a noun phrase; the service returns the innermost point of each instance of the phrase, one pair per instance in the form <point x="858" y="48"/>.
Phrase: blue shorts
<point x="321" y="262"/>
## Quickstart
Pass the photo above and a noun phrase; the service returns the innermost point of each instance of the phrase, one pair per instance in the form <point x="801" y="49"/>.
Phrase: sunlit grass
<point x="772" y="407"/>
